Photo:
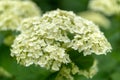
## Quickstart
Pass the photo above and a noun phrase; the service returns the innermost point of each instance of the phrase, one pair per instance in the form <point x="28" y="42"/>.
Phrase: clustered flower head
<point x="45" y="41"/>
<point x="108" y="7"/>
<point x="96" y="17"/>
<point x="13" y="11"/>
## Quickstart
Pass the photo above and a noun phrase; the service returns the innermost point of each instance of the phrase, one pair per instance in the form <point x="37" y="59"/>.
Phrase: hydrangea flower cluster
<point x="108" y="7"/>
<point x="45" y="41"/>
<point x="12" y="12"/>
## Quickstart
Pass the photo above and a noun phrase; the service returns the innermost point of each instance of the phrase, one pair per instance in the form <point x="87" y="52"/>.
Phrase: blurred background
<point x="109" y="65"/>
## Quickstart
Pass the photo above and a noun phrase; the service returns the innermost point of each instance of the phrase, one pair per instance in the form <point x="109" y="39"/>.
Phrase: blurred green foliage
<point x="109" y="65"/>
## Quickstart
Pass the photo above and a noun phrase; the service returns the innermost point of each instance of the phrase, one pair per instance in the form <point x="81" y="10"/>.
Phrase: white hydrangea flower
<point x="43" y="52"/>
<point x="108" y="7"/>
<point x="47" y="40"/>
<point x="12" y="12"/>
<point x="96" y="17"/>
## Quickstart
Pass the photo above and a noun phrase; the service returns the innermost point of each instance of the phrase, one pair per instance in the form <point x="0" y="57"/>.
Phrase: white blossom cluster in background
<point x="45" y="41"/>
<point x="13" y="11"/>
<point x="96" y="17"/>
<point x="108" y="7"/>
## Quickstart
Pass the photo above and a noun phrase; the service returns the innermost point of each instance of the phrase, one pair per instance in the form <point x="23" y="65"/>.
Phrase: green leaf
<point x="52" y="76"/>
<point x="116" y="76"/>
<point x="83" y="62"/>
<point x="4" y="73"/>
